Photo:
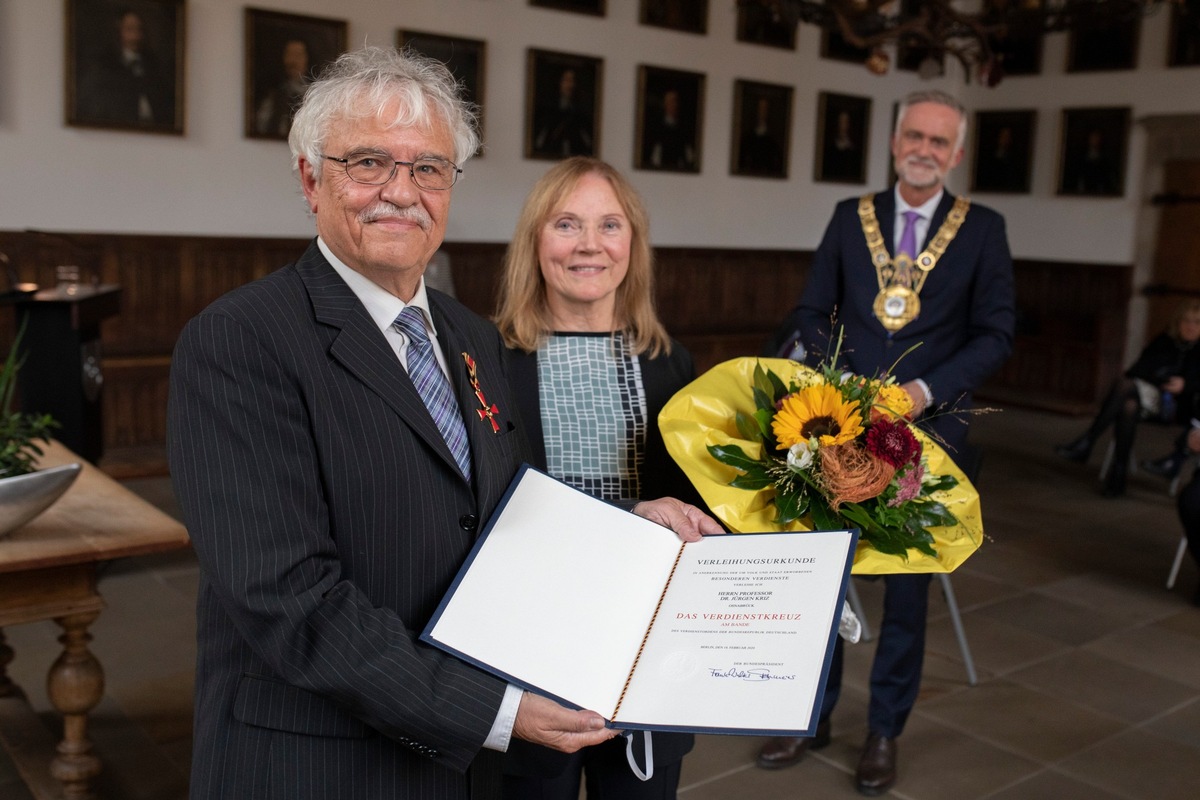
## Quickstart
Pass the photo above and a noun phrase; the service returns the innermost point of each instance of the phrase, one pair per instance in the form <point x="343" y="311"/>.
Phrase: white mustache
<point x="918" y="161"/>
<point x="384" y="209"/>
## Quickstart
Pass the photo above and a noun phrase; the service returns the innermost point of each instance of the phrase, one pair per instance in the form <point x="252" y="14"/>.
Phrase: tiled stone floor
<point x="1089" y="669"/>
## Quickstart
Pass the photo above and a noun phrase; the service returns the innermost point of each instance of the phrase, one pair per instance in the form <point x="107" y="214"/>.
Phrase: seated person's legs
<point x="1168" y="466"/>
<point x="1122" y="401"/>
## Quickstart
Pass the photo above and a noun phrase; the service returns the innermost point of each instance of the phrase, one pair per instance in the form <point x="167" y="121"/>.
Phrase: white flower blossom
<point x="799" y="457"/>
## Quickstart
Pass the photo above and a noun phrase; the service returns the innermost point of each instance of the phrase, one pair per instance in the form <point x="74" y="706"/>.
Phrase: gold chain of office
<point x="898" y="302"/>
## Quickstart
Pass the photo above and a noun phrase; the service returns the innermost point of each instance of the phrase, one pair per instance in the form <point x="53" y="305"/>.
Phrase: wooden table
<point x="48" y="571"/>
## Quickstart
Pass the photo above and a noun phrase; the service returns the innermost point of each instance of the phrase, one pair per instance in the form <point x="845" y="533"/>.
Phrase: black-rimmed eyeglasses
<point x="374" y="169"/>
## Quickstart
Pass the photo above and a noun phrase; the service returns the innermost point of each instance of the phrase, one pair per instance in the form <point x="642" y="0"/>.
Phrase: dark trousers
<point x="606" y="773"/>
<point x="899" y="656"/>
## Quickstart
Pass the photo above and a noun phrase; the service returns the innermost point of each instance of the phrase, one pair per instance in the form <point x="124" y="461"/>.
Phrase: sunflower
<point x="816" y="411"/>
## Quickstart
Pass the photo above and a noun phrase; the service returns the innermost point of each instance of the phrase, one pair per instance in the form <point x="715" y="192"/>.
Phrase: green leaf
<point x="748" y="426"/>
<point x="824" y="518"/>
<point x="936" y="515"/>
<point x="778" y="390"/>
<point x="754" y="475"/>
<point x="754" y="479"/>
<point x="763" y="418"/>
<point x="941" y="484"/>
<point x="790" y="507"/>
<point x="762" y="401"/>
<point x="762" y="383"/>
<point x="733" y="456"/>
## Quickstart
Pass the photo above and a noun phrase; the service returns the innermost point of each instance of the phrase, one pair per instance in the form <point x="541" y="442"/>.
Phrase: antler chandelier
<point x="964" y="29"/>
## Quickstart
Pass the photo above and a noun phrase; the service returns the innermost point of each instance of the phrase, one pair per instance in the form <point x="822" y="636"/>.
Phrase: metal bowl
<point x="23" y="497"/>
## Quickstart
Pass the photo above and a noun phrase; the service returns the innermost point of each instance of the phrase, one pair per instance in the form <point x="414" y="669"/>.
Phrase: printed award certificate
<point x="574" y="598"/>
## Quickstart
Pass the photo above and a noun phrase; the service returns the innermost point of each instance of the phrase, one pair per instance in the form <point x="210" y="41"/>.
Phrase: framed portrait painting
<point x="1003" y="151"/>
<point x="465" y="58"/>
<point x="1094" y="142"/>
<point x="1104" y="46"/>
<point x="125" y="65"/>
<point x="690" y="16"/>
<point x="595" y="7"/>
<point x="284" y="52"/>
<point x="762" y="129"/>
<point x="759" y="23"/>
<point x="843" y="133"/>
<point x="562" y="105"/>
<point x="1184" y="44"/>
<point x="670" y="115"/>
<point x="835" y="47"/>
<point x="1017" y="47"/>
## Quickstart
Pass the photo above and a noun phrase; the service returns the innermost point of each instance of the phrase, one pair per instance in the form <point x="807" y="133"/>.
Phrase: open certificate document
<point x="571" y="597"/>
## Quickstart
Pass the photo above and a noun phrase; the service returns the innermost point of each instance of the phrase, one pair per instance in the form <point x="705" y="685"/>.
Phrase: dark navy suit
<point x="965" y="332"/>
<point x="329" y="517"/>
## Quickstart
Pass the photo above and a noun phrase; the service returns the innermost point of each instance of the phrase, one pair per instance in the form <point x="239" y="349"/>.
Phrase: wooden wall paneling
<point x="475" y="268"/>
<point x="135" y="415"/>
<point x="720" y="303"/>
<point x="1070" y="335"/>
<point x="723" y="304"/>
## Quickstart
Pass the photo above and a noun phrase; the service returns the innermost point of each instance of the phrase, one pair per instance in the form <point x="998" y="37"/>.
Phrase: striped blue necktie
<point x="434" y="387"/>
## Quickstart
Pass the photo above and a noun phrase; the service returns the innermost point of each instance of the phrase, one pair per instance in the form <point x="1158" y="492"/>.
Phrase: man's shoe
<point x="1077" y="451"/>
<point x="1166" y="467"/>
<point x="784" y="751"/>
<point x="877" y="767"/>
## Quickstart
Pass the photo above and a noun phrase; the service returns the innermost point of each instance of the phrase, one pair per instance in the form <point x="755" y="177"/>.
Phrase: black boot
<point x="1166" y="467"/>
<point x="1077" y="451"/>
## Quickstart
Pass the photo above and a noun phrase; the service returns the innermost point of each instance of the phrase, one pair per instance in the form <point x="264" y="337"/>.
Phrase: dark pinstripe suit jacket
<point x="329" y="519"/>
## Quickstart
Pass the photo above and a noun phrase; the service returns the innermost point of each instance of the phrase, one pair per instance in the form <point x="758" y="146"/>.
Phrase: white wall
<point x="215" y="181"/>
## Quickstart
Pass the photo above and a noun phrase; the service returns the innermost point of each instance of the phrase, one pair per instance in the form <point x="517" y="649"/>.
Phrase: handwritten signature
<point x="754" y="675"/>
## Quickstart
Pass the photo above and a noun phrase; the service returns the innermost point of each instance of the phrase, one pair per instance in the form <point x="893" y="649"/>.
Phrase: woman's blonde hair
<point x="524" y="316"/>
<point x="1184" y="309"/>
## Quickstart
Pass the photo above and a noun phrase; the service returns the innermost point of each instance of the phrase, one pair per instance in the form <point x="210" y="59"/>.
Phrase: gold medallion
<point x="898" y="302"/>
<point x="896" y="306"/>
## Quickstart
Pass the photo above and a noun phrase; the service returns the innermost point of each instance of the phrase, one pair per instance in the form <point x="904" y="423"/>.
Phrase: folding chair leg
<point x="857" y="607"/>
<point x="1174" y="573"/>
<point x="956" y="620"/>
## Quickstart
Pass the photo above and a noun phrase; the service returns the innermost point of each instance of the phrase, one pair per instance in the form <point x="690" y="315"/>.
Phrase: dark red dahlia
<point x="893" y="442"/>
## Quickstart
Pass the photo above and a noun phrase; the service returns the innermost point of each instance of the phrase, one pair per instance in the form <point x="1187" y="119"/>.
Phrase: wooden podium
<point x="48" y="572"/>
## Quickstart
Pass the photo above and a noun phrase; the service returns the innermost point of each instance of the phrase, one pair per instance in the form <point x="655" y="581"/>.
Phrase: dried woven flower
<point x="816" y="412"/>
<point x="893" y="442"/>
<point x="850" y="474"/>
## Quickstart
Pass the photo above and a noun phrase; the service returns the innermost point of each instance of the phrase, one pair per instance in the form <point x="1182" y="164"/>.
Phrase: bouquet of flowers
<point x="823" y="449"/>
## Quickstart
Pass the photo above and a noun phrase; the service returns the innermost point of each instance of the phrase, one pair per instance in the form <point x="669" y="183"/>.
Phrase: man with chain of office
<point x="947" y="307"/>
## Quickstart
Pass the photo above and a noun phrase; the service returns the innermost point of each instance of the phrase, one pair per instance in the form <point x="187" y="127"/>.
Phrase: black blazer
<point x="662" y="377"/>
<point x="964" y="330"/>
<point x="329" y="519"/>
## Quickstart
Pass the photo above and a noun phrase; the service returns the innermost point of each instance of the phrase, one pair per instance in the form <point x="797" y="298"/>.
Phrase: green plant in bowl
<point x="20" y="431"/>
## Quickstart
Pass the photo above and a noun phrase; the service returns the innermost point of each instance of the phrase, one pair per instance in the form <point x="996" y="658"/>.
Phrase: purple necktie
<point x="908" y="239"/>
<point x="434" y="387"/>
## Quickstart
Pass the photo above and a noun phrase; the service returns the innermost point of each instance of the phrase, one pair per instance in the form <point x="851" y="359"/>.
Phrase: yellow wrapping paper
<point x="704" y="412"/>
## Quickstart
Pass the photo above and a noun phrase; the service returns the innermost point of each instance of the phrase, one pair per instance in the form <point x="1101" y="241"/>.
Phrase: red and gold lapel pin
<point x="487" y="412"/>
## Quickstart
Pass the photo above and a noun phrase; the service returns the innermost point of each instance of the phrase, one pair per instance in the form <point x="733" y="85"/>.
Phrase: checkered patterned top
<point x="593" y="413"/>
